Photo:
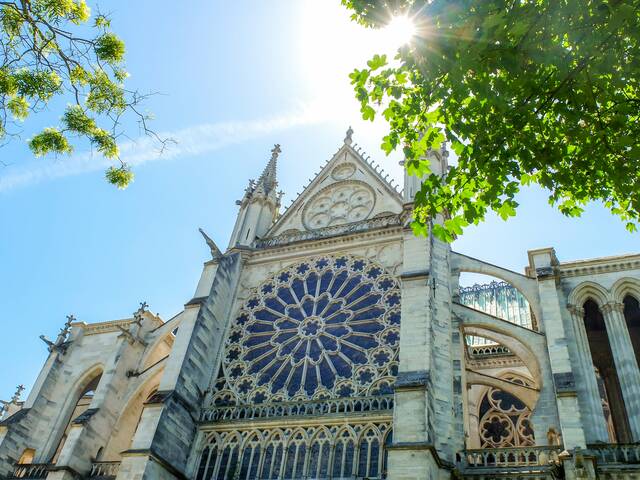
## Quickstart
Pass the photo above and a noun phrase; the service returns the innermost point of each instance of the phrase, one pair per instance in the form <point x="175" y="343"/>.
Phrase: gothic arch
<point x="83" y="381"/>
<point x="588" y="290"/>
<point x="625" y="287"/>
<point x="517" y="339"/>
<point x="525" y="285"/>
<point x="127" y="423"/>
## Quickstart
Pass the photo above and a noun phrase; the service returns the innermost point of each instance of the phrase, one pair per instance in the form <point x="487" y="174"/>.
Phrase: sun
<point x="399" y="31"/>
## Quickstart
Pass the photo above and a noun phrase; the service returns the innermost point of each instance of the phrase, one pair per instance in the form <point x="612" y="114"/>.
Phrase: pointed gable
<point x="347" y="189"/>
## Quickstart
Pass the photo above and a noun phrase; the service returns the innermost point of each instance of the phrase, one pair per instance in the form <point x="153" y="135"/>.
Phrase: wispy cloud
<point x="189" y="141"/>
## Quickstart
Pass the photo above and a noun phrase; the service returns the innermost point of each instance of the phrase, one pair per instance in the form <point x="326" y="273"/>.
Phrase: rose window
<point x="327" y="327"/>
<point x="341" y="203"/>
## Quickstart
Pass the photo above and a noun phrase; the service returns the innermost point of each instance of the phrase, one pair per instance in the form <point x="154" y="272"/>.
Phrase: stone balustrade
<point x="612" y="453"/>
<point x="496" y="458"/>
<point x="104" y="470"/>
<point x="306" y="408"/>
<point x="30" y="471"/>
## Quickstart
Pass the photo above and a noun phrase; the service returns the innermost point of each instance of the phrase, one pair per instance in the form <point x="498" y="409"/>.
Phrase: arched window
<point x="369" y="454"/>
<point x="343" y="455"/>
<point x="250" y="458"/>
<point x="504" y="419"/>
<point x="296" y="456"/>
<point x="319" y="456"/>
<point x="273" y="457"/>
<point x="603" y="362"/>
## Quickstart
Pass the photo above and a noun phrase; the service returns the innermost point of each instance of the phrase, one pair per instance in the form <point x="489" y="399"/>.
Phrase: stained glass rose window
<point x="326" y="327"/>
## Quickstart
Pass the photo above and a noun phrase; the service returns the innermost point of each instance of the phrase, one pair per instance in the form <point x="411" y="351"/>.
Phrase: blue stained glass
<point x="332" y="308"/>
<point x="300" y="352"/>
<point x="336" y="321"/>
<point x="367" y="327"/>
<point x="323" y="262"/>
<point x="311" y="382"/>
<point x="337" y="330"/>
<point x="295" y="313"/>
<point x="281" y="378"/>
<point x="358" y="265"/>
<point x="338" y="280"/>
<point x="361" y="341"/>
<point x="327" y="377"/>
<point x="327" y="312"/>
<point x="369" y="314"/>
<point x="337" y="460"/>
<point x="350" y="285"/>
<point x="314" y="350"/>
<point x="321" y="303"/>
<point x="265" y="315"/>
<point x="329" y="343"/>
<point x="360" y="291"/>
<point x="366" y="302"/>
<point x="312" y="283"/>
<point x="298" y="288"/>
<point x="353" y="354"/>
<point x="285" y="296"/>
<point x="325" y="280"/>
<point x="374" y="273"/>
<point x="393" y="299"/>
<point x="274" y="304"/>
<point x="256" y="352"/>
<point x="343" y="368"/>
<point x="254" y="302"/>
<point x="341" y="262"/>
<point x="307" y="307"/>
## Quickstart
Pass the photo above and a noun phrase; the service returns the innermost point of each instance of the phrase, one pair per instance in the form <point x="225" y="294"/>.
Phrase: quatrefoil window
<point x="325" y="327"/>
<point x="340" y="203"/>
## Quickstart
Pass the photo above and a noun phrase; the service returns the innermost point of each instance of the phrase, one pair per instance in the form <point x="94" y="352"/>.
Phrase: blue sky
<point x="235" y="77"/>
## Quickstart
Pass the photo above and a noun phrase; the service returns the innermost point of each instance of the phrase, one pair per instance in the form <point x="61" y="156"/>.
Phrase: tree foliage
<point x="526" y="92"/>
<point x="44" y="55"/>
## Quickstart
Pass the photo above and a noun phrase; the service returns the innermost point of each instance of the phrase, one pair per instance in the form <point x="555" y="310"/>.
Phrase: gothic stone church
<point x="329" y="342"/>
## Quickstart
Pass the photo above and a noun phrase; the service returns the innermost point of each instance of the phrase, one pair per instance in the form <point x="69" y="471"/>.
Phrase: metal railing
<point x="30" y="471"/>
<point x="496" y="458"/>
<point x="104" y="469"/>
<point x="307" y="408"/>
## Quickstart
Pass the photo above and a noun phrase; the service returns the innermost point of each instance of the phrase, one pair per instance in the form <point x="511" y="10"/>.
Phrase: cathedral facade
<point x="329" y="342"/>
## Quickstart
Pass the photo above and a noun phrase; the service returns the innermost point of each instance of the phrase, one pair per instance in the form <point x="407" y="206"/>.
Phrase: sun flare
<point x="399" y="31"/>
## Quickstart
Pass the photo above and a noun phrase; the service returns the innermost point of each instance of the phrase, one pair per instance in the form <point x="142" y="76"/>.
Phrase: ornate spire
<point x="348" y="140"/>
<point x="268" y="180"/>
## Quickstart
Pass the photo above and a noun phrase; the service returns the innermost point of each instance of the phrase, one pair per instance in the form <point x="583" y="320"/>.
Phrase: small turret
<point x="259" y="206"/>
<point x="439" y="165"/>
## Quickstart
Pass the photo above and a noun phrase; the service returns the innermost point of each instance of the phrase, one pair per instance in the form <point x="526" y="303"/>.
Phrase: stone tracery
<point x="327" y="327"/>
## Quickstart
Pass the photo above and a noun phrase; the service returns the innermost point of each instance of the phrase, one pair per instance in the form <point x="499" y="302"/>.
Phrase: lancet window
<point x="309" y="452"/>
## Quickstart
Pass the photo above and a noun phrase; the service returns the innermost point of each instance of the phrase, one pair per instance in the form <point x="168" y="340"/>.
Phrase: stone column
<point x="592" y="400"/>
<point x="570" y="415"/>
<point x="410" y="455"/>
<point x="626" y="363"/>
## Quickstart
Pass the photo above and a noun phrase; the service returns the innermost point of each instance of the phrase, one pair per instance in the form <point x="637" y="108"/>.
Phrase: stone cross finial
<point x="348" y="140"/>
<point x="18" y="394"/>
<point x="275" y="151"/>
<point x="138" y="313"/>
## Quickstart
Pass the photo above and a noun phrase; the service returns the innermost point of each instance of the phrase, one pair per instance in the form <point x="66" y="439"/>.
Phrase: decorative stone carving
<point x="325" y="327"/>
<point x="337" y="204"/>
<point x="343" y="171"/>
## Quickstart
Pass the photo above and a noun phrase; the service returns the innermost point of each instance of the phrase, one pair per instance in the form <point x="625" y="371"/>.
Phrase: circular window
<point x="338" y="204"/>
<point x="325" y="327"/>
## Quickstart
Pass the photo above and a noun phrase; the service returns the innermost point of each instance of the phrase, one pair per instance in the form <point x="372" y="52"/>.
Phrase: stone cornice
<point x="599" y="265"/>
<point x="112" y="325"/>
<point x="286" y="239"/>
<point x="371" y="237"/>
